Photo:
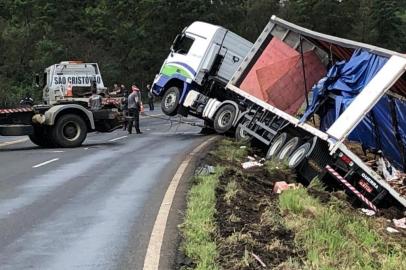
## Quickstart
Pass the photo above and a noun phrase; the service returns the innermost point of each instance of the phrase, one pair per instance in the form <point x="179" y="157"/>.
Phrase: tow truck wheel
<point x="298" y="155"/>
<point x="170" y="101"/>
<point x="223" y="121"/>
<point x="69" y="131"/>
<point x="240" y="134"/>
<point x="40" y="136"/>
<point x="276" y="145"/>
<point x="288" y="148"/>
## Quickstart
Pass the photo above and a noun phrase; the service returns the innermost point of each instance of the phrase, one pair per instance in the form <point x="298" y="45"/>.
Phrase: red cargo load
<point x="277" y="76"/>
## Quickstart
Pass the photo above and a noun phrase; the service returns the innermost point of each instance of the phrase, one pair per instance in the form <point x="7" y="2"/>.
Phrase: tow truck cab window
<point x="183" y="44"/>
<point x="75" y="69"/>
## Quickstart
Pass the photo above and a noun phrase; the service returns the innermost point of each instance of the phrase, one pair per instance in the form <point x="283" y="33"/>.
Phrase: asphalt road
<point x="91" y="207"/>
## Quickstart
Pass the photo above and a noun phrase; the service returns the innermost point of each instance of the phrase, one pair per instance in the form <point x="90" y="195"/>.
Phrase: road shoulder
<point x="172" y="239"/>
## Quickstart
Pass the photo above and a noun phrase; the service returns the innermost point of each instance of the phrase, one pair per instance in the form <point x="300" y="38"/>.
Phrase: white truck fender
<point x="52" y="113"/>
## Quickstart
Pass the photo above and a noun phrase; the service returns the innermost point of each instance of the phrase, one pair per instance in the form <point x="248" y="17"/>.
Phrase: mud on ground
<point x="251" y="234"/>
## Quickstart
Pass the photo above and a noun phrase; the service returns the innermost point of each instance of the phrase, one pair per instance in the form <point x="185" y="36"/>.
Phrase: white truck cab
<point x="68" y="75"/>
<point x="203" y="58"/>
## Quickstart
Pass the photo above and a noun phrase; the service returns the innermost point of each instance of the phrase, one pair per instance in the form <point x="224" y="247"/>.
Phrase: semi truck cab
<point x="203" y="58"/>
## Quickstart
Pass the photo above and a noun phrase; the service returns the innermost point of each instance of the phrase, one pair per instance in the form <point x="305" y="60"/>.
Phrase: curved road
<point x="91" y="207"/>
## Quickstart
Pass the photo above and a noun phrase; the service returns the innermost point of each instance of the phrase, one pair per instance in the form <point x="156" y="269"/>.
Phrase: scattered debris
<point x="258" y="259"/>
<point x="391" y="230"/>
<point x="282" y="185"/>
<point x="251" y="164"/>
<point x="243" y="147"/>
<point x="205" y="170"/>
<point x="387" y="170"/>
<point x="368" y="212"/>
<point x="400" y="223"/>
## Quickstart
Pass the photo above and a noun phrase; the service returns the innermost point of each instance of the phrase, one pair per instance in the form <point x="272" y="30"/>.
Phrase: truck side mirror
<point x="37" y="80"/>
<point x="174" y="43"/>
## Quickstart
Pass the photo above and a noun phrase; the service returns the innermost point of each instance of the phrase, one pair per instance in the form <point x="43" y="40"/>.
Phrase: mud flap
<point x="16" y="130"/>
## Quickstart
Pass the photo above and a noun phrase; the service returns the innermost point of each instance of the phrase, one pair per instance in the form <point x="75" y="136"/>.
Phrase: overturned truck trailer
<point x="356" y="90"/>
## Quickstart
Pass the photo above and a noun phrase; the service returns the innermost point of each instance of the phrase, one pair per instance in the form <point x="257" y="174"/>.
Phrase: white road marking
<point x="119" y="138"/>
<point x="13" y="142"/>
<point x="151" y="261"/>
<point x="45" y="163"/>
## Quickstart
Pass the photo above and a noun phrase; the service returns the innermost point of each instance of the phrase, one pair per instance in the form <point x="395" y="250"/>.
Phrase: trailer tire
<point x="288" y="148"/>
<point x="170" y="101"/>
<point x="299" y="155"/>
<point x="15" y="130"/>
<point x="70" y="130"/>
<point x="223" y="121"/>
<point x="240" y="135"/>
<point x="276" y="145"/>
<point x="41" y="137"/>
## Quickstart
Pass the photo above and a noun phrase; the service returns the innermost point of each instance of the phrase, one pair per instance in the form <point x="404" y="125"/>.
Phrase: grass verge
<point x="334" y="236"/>
<point x="234" y="221"/>
<point x="199" y="227"/>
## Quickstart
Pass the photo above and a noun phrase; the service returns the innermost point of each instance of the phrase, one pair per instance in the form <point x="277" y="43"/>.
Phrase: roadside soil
<point x="241" y="227"/>
<point x="251" y="234"/>
<point x="251" y="230"/>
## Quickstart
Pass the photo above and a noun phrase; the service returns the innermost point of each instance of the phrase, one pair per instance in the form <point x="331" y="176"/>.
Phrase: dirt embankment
<point x="251" y="234"/>
<point x="246" y="226"/>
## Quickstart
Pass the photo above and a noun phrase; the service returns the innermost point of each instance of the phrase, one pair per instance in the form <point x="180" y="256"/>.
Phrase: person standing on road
<point x="150" y="98"/>
<point x="125" y="109"/>
<point x="95" y="101"/>
<point x="134" y="106"/>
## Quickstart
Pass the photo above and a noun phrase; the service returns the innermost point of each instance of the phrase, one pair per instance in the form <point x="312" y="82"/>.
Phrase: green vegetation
<point x="130" y="39"/>
<point x="199" y="227"/>
<point x="231" y="151"/>
<point x="233" y="221"/>
<point x="336" y="237"/>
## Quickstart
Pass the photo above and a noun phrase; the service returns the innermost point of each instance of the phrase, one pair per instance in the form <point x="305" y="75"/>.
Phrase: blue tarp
<point x="377" y="131"/>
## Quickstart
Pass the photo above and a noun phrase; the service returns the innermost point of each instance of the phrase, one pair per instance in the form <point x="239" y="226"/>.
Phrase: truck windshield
<point x="183" y="45"/>
<point x="72" y="69"/>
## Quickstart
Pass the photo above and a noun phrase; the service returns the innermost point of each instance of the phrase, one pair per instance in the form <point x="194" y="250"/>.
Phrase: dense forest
<point x="130" y="39"/>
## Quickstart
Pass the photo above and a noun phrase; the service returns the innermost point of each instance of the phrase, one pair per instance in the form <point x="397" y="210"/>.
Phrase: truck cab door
<point x="185" y="57"/>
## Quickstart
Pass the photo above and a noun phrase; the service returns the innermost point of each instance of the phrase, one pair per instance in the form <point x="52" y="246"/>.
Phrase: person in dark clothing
<point x="125" y="109"/>
<point x="150" y="98"/>
<point x="134" y="106"/>
<point x="27" y="101"/>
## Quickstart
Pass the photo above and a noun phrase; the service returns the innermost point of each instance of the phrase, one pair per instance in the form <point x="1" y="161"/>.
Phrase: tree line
<point x="130" y="39"/>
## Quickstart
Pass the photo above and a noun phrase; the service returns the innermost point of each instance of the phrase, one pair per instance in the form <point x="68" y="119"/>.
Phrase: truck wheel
<point x="41" y="137"/>
<point x="298" y="155"/>
<point x="276" y="145"/>
<point x="223" y="121"/>
<point x="240" y="134"/>
<point x="69" y="131"/>
<point x="170" y="101"/>
<point x="288" y="148"/>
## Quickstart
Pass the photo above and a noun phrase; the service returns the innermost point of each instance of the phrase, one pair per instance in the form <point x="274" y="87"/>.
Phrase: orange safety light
<point x="69" y="91"/>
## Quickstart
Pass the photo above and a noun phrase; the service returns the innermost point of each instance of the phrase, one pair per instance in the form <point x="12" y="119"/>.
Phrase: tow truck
<point x="63" y="118"/>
